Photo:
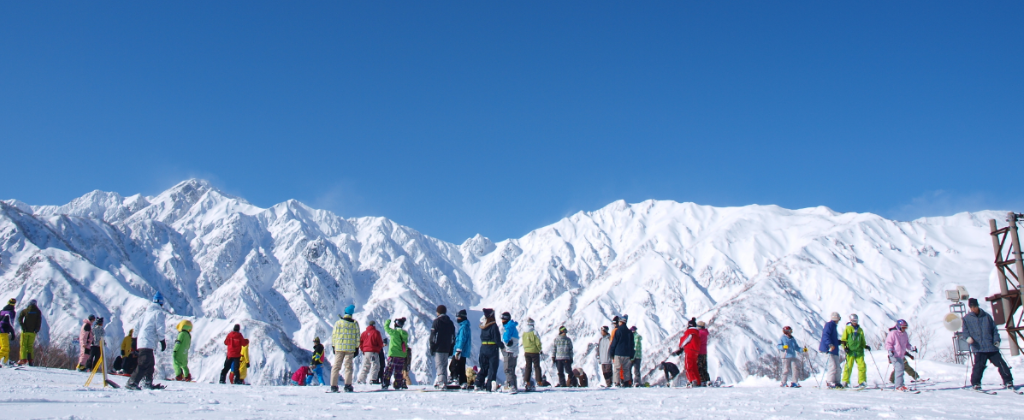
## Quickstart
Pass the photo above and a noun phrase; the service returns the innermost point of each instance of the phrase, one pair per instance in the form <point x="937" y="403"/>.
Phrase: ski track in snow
<point x="37" y="393"/>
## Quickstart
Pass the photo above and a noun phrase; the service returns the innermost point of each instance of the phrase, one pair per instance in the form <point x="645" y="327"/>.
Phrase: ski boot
<point x="349" y="388"/>
<point x="794" y="385"/>
<point x="178" y="378"/>
<point x="334" y="388"/>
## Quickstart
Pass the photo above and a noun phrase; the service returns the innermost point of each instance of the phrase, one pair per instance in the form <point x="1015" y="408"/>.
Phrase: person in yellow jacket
<point x="345" y="339"/>
<point x="531" y="352"/>
<point x="243" y="363"/>
<point x="853" y="341"/>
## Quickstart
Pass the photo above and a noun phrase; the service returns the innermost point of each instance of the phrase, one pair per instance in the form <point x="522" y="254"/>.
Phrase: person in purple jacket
<point x="830" y="346"/>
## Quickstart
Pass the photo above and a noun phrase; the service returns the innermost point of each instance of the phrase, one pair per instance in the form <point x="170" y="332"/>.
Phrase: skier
<point x="317" y="361"/>
<point x="30" y="319"/>
<point x="85" y="344"/>
<point x="531" y="352"/>
<point x="233" y="362"/>
<point x="371" y="344"/>
<point x="398" y="350"/>
<point x="702" y="354"/>
<point x="562" y="357"/>
<point x="638" y="356"/>
<point x="490" y="345"/>
<point x="790" y="365"/>
<point x="345" y="341"/>
<point x="463" y="350"/>
<point x="303" y="376"/>
<point x="151" y="332"/>
<point x="442" y="341"/>
<point x="95" y="351"/>
<point x="181" y="347"/>
<point x="604" y="355"/>
<point x="830" y="346"/>
<point x="897" y="344"/>
<point x="7" y="333"/>
<point x="690" y="344"/>
<point x="983" y="337"/>
<point x="511" y="351"/>
<point x="671" y="372"/>
<point x="852" y="340"/>
<point x="623" y="353"/>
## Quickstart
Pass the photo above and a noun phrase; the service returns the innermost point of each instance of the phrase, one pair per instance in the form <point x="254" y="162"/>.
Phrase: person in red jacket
<point x="371" y="344"/>
<point x="690" y="344"/>
<point x="303" y="376"/>
<point x="234" y="341"/>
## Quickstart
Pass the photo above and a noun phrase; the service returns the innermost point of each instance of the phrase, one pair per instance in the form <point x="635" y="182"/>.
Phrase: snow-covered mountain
<point x="285" y="272"/>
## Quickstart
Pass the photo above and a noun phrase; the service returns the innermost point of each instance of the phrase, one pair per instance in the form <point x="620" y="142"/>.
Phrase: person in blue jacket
<point x="830" y="347"/>
<point x="462" y="351"/>
<point x="510" y="336"/>
<point x="790" y="366"/>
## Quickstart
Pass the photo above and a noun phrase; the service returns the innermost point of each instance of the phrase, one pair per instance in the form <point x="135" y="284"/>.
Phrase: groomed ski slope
<point x="37" y="393"/>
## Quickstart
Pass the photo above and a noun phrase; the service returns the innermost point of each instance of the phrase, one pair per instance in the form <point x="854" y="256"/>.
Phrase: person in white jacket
<point x="152" y="330"/>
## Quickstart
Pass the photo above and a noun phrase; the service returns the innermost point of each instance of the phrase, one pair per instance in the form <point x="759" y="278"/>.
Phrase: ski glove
<point x="911" y="357"/>
<point x="868" y="348"/>
<point x="163" y="345"/>
<point x="458" y="354"/>
<point x="508" y="343"/>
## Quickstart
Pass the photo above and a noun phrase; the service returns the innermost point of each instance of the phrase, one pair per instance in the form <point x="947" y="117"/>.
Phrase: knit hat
<point x="92" y="318"/>
<point x="317" y="339"/>
<point x="489" y="313"/>
<point x="371" y="323"/>
<point x="237" y="328"/>
<point x="441" y="309"/>
<point x="692" y="322"/>
<point x="99" y="321"/>
<point x="972" y="302"/>
<point x="700" y="324"/>
<point x="615" y="319"/>
<point x="604" y="329"/>
<point x="835" y="316"/>
<point x="505" y="316"/>
<point x="32" y="302"/>
<point x="854" y="318"/>
<point x="400" y="322"/>
<point x="529" y="322"/>
<point x="562" y="330"/>
<point x="461" y="314"/>
<point x="12" y="301"/>
<point x="624" y="318"/>
<point x="158" y="298"/>
<point x="350" y="309"/>
<point x="633" y="328"/>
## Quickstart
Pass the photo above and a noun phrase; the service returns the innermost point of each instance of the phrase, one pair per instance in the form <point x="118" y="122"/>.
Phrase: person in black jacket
<point x="442" y="341"/>
<point x="622" y="351"/>
<point x="490" y="342"/>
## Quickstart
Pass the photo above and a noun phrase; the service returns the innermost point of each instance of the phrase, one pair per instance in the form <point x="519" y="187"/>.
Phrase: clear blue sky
<point x="501" y="117"/>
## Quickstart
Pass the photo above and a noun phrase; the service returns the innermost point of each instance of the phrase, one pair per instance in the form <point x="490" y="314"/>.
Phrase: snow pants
<point x="84" y="354"/>
<point x="28" y="342"/>
<point x="532" y="367"/>
<point x="671" y="371"/>
<point x="180" y="362"/>
<point x="94" y="357"/>
<point x="318" y="372"/>
<point x="898" y="363"/>
<point x="511" y="360"/>
<point x="702" y="367"/>
<point x="906" y="368"/>
<point x="441" y="367"/>
<point x="395" y="365"/>
<point x="342" y="358"/>
<point x="996" y="359"/>
<point x="488" y="367"/>
<point x="457" y="370"/>
<point x="790" y="370"/>
<point x="371" y="365"/>
<point x="230" y="364"/>
<point x="834" y="374"/>
<point x="623" y="370"/>
<point x="862" y="369"/>
<point x="606" y="371"/>
<point x="5" y="347"/>
<point x="690" y="366"/>
<point x="637" y="380"/>
<point x="143" y="374"/>
<point x="564" y="368"/>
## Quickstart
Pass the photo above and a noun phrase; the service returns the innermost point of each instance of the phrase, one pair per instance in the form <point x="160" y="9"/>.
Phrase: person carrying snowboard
<point x="830" y="347"/>
<point x="623" y="353"/>
<point x="85" y="344"/>
<point x="442" y="341"/>
<point x="398" y="350"/>
<point x="490" y="346"/>
<point x="233" y="360"/>
<point x="562" y="356"/>
<point x="531" y="352"/>
<point x="604" y="355"/>
<point x="790" y="364"/>
<point x="180" y="352"/>
<point x="702" y="354"/>
<point x="31" y="320"/>
<point x="316" y="363"/>
<point x="983" y="337"/>
<point x="7" y="333"/>
<point x="371" y="344"/>
<point x="852" y="341"/>
<point x="152" y="330"/>
<point x="463" y="350"/>
<point x="897" y="344"/>
<point x="345" y="340"/>
<point x="511" y="351"/>
<point x="689" y="344"/>
<point x="637" y="357"/>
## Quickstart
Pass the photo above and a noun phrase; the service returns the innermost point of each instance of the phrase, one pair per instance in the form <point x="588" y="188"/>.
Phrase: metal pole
<point x="1018" y="266"/>
<point x="1014" y="350"/>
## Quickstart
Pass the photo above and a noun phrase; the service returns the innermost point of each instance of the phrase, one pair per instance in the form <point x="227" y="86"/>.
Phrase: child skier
<point x="303" y="376"/>
<point x="317" y="361"/>
<point x="181" y="347"/>
<point x="897" y="344"/>
<point x="790" y="365"/>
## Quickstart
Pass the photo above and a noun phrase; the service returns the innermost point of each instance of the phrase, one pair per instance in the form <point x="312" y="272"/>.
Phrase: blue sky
<point x="501" y="117"/>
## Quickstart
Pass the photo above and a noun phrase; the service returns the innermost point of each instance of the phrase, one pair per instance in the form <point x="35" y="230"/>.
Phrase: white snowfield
<point x="37" y="393"/>
<point x="285" y="272"/>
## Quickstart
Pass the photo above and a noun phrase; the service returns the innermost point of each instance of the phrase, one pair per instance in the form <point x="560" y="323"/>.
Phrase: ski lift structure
<point x="1010" y="267"/>
<point x="953" y="321"/>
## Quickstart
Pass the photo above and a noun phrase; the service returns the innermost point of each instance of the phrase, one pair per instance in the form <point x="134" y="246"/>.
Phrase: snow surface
<point x="285" y="272"/>
<point x="37" y="393"/>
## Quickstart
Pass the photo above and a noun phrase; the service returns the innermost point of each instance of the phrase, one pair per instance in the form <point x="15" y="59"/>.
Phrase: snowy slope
<point x="284" y="272"/>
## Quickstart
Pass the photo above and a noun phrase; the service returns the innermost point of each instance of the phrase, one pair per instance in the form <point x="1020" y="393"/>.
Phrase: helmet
<point x="787" y="329"/>
<point x="854" y="318"/>
<point x="835" y="316"/>
<point x="901" y="323"/>
<point x="158" y="298"/>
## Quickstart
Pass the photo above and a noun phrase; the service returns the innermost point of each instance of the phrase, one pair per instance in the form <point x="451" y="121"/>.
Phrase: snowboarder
<point x="510" y="337"/>
<point x="604" y="355"/>
<point x="638" y="356"/>
<point x="671" y="372"/>
<point x="562" y="357"/>
<point x="623" y="353"/>
<point x="303" y="376"/>
<point x="398" y="350"/>
<point x="85" y="344"/>
<point x="371" y="344"/>
<point x="7" y="333"/>
<point x="531" y="352"/>
<point x="152" y="330"/>
<point x="830" y="346"/>
<point x="490" y="345"/>
<point x="345" y="341"/>
<point x="129" y="355"/>
<point x="233" y="360"/>
<point x="790" y="364"/>
<point x="180" y="351"/>
<point x="689" y="344"/>
<point x="30" y="319"/>
<point x="463" y="350"/>
<point x="702" y="354"/>
<point x="983" y="337"/>
<point x="897" y="344"/>
<point x="317" y="361"/>
<point x="852" y="340"/>
<point x="442" y="341"/>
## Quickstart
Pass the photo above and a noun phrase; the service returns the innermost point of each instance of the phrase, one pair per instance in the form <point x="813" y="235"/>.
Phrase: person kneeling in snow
<point x="303" y="376"/>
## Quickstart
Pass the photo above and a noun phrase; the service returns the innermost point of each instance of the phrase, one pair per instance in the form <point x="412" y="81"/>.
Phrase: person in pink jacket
<point x="85" y="341"/>
<point x="898" y="344"/>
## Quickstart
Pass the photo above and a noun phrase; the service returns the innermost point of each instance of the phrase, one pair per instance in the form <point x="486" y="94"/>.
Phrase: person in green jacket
<point x="531" y="352"/>
<point x="638" y="357"/>
<point x="852" y="340"/>
<point x="398" y="350"/>
<point x="181" y="346"/>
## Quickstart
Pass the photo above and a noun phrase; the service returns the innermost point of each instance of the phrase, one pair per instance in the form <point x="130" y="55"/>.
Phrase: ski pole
<point x="876" y="369"/>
